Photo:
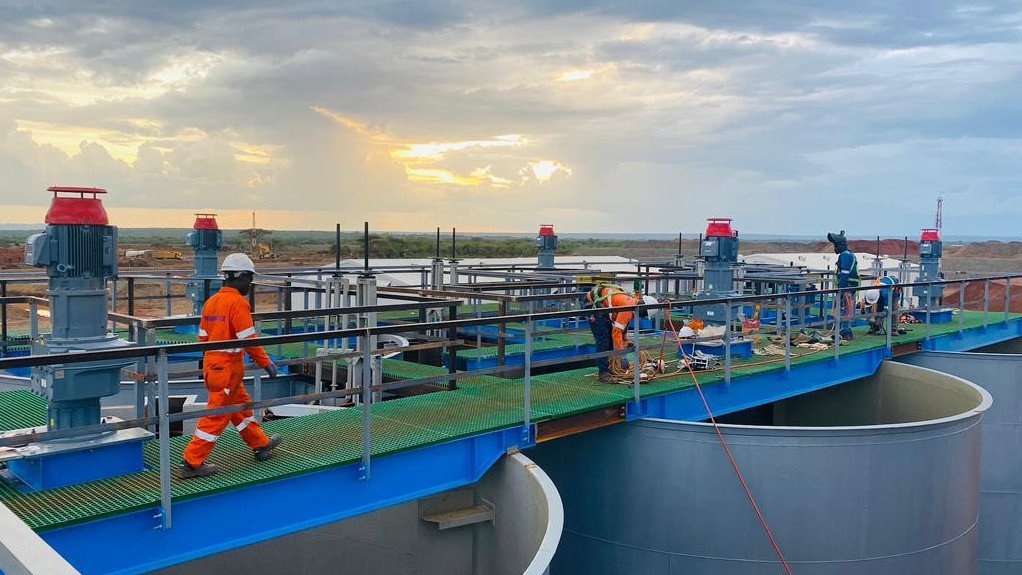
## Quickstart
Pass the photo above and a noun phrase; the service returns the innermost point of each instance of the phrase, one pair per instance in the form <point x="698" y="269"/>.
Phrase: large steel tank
<point x="878" y="476"/>
<point x="999" y="371"/>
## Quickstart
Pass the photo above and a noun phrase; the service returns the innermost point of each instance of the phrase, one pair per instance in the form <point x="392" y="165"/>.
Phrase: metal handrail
<point x="366" y="389"/>
<point x="151" y="351"/>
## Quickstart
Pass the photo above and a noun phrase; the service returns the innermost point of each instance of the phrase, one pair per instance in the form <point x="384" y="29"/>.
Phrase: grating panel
<point x="20" y="409"/>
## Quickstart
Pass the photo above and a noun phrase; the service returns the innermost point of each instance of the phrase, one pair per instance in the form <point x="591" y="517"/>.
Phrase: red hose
<point x="727" y="450"/>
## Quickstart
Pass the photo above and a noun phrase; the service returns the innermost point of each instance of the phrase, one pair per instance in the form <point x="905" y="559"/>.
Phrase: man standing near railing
<point x="227" y="316"/>
<point x="847" y="277"/>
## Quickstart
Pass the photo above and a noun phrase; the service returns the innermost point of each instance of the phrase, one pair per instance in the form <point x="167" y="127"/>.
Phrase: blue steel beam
<point x="758" y="389"/>
<point x="128" y="544"/>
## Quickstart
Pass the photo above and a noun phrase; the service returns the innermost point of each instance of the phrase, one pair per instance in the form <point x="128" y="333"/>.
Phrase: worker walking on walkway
<point x="227" y="316"/>
<point x="609" y="330"/>
<point x="847" y="277"/>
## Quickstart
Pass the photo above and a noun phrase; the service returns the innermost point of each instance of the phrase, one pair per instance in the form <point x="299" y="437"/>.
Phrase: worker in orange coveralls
<point x="227" y="316"/>
<point x="609" y="329"/>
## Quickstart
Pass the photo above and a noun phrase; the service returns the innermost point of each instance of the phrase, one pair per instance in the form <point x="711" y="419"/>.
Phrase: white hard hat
<point x="872" y="296"/>
<point x="687" y="332"/>
<point x="650" y="300"/>
<point x="237" y="262"/>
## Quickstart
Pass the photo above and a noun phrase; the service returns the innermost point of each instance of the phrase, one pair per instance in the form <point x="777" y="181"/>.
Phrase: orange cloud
<point x="423" y="162"/>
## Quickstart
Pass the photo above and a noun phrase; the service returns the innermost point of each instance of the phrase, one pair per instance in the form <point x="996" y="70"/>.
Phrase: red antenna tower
<point x="939" y="220"/>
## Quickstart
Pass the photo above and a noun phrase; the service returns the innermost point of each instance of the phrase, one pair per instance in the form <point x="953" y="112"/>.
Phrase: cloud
<point x="500" y="115"/>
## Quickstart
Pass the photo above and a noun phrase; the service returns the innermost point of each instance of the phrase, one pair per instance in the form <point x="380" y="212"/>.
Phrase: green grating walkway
<point x="481" y="405"/>
<point x="20" y="409"/>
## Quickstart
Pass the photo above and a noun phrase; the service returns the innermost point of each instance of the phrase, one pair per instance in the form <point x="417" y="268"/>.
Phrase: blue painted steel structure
<point x="81" y="466"/>
<point x="231" y="519"/>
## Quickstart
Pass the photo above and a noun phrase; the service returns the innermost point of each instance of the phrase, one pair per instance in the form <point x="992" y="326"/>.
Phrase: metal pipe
<point x="33" y="322"/>
<point x="787" y="333"/>
<point x="1007" y="299"/>
<point x="636" y="391"/>
<point x="452" y="350"/>
<point x="337" y="247"/>
<point x="164" y="411"/>
<point x="929" y="304"/>
<point x="367" y="401"/>
<point x="986" y="302"/>
<point x="837" y="325"/>
<point x="169" y="305"/>
<point x="365" y="249"/>
<point x="257" y="394"/>
<point x="3" y="315"/>
<point x="727" y="347"/>
<point x="501" y="338"/>
<point x="528" y="373"/>
<point x="961" y="307"/>
<point x="890" y="318"/>
<point x="131" y="296"/>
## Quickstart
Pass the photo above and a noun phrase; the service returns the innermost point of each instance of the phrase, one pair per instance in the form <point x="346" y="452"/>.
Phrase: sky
<point x="795" y="117"/>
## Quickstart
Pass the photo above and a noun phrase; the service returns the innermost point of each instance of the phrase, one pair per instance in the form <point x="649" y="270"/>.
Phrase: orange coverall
<point x="609" y="296"/>
<point x="226" y="316"/>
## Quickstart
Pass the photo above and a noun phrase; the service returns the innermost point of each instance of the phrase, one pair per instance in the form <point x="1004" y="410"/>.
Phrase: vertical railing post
<point x="452" y="349"/>
<point x="131" y="296"/>
<point x="637" y="366"/>
<point x="479" y="329"/>
<point x="527" y="383"/>
<point x="929" y="305"/>
<point x="961" y="308"/>
<point x="288" y="323"/>
<point x="257" y="394"/>
<point x="305" y="320"/>
<point x="3" y="316"/>
<point x="501" y="339"/>
<point x="837" y="324"/>
<point x="890" y="319"/>
<point x="168" y="304"/>
<point x="727" y="346"/>
<point x="986" y="302"/>
<point x="164" y="411"/>
<point x="1007" y="299"/>
<point x="787" y="333"/>
<point x="151" y="391"/>
<point x="140" y="384"/>
<point x="33" y="321"/>
<point x="113" y="301"/>
<point x="367" y="401"/>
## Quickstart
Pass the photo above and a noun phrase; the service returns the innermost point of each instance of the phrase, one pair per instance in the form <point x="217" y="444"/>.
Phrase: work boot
<point x="186" y="471"/>
<point x="606" y="377"/>
<point x="847" y="336"/>
<point x="264" y="453"/>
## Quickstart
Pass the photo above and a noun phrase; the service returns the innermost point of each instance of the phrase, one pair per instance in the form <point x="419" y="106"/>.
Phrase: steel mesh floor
<point x="481" y="404"/>
<point x="20" y="409"/>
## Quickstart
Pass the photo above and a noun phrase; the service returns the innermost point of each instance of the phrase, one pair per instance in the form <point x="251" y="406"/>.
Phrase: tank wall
<point x="659" y="497"/>
<point x="893" y="395"/>
<point x="396" y="541"/>
<point x="1000" y="527"/>
<point x="528" y="515"/>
